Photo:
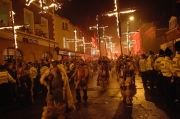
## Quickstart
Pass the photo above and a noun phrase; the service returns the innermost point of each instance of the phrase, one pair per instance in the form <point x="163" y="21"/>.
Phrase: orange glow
<point x="137" y="46"/>
<point x="94" y="42"/>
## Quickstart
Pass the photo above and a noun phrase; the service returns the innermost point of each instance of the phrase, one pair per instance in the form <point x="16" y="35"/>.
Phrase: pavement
<point x="103" y="104"/>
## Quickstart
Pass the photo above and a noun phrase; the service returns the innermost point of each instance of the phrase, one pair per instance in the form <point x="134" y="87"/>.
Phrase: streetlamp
<point x="128" y="33"/>
<point x="129" y="42"/>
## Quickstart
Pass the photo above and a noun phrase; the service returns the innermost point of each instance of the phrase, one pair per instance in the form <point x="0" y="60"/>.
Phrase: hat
<point x="151" y="52"/>
<point x="2" y="67"/>
<point x="161" y="52"/>
<point x="177" y="45"/>
<point x="168" y="52"/>
<point x="143" y="55"/>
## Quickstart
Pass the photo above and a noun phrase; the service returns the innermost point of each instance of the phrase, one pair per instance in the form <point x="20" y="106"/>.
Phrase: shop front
<point x="30" y="48"/>
<point x="65" y="55"/>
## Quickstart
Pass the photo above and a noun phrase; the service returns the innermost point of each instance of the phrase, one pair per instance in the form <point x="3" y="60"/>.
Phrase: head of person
<point x="25" y="66"/>
<point x="168" y="52"/>
<point x="81" y="62"/>
<point x="103" y="65"/>
<point x="128" y="60"/>
<point x="177" y="47"/>
<point x="161" y="52"/>
<point x="30" y="64"/>
<point x="10" y="66"/>
<point x="87" y="61"/>
<point x="54" y="63"/>
<point x="124" y="59"/>
<point x="67" y="63"/>
<point x="143" y="56"/>
<point x="2" y="67"/>
<point x="44" y="63"/>
<point x="74" y="61"/>
<point x="151" y="52"/>
<point x="48" y="59"/>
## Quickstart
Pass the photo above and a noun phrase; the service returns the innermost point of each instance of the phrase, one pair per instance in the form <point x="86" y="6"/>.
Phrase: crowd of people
<point x="161" y="74"/>
<point x="26" y="83"/>
<point x="26" y="78"/>
<point x="21" y="82"/>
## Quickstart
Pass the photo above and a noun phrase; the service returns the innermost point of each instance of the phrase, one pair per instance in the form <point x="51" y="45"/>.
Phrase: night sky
<point x="77" y="11"/>
<point x="83" y="13"/>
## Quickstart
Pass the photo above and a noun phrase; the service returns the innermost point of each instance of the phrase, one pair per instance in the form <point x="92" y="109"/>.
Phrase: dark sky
<point x="77" y="11"/>
<point x="83" y="12"/>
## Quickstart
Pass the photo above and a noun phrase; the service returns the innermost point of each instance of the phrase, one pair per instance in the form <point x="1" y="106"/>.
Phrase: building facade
<point x="35" y="39"/>
<point x="173" y="34"/>
<point x="148" y="37"/>
<point x="40" y="35"/>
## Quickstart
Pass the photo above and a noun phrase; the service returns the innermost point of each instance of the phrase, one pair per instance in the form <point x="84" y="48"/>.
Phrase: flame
<point x="44" y="8"/>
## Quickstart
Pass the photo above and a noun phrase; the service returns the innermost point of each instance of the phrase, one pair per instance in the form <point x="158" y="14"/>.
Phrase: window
<point x="44" y="23"/>
<point x="10" y="53"/>
<point x="172" y="22"/>
<point x="64" y="26"/>
<point x="42" y="28"/>
<point x="29" y="20"/>
<point x="5" y="7"/>
<point x="46" y="55"/>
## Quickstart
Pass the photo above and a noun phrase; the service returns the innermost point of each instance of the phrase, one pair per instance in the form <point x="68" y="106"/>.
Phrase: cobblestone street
<point x="103" y="105"/>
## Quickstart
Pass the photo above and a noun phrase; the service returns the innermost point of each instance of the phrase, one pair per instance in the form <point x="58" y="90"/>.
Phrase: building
<point x="72" y="40"/>
<point x="42" y="35"/>
<point x="173" y="33"/>
<point x="148" y="37"/>
<point x="35" y="39"/>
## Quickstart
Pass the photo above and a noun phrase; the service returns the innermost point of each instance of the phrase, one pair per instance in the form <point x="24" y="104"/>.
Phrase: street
<point x="103" y="105"/>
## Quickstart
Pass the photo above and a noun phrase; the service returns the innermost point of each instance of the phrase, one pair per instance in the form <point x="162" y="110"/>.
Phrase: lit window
<point x="10" y="52"/>
<point x="29" y="20"/>
<point x="4" y="12"/>
<point x="44" y="23"/>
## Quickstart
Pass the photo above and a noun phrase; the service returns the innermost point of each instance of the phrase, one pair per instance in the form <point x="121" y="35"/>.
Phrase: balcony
<point x="39" y="32"/>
